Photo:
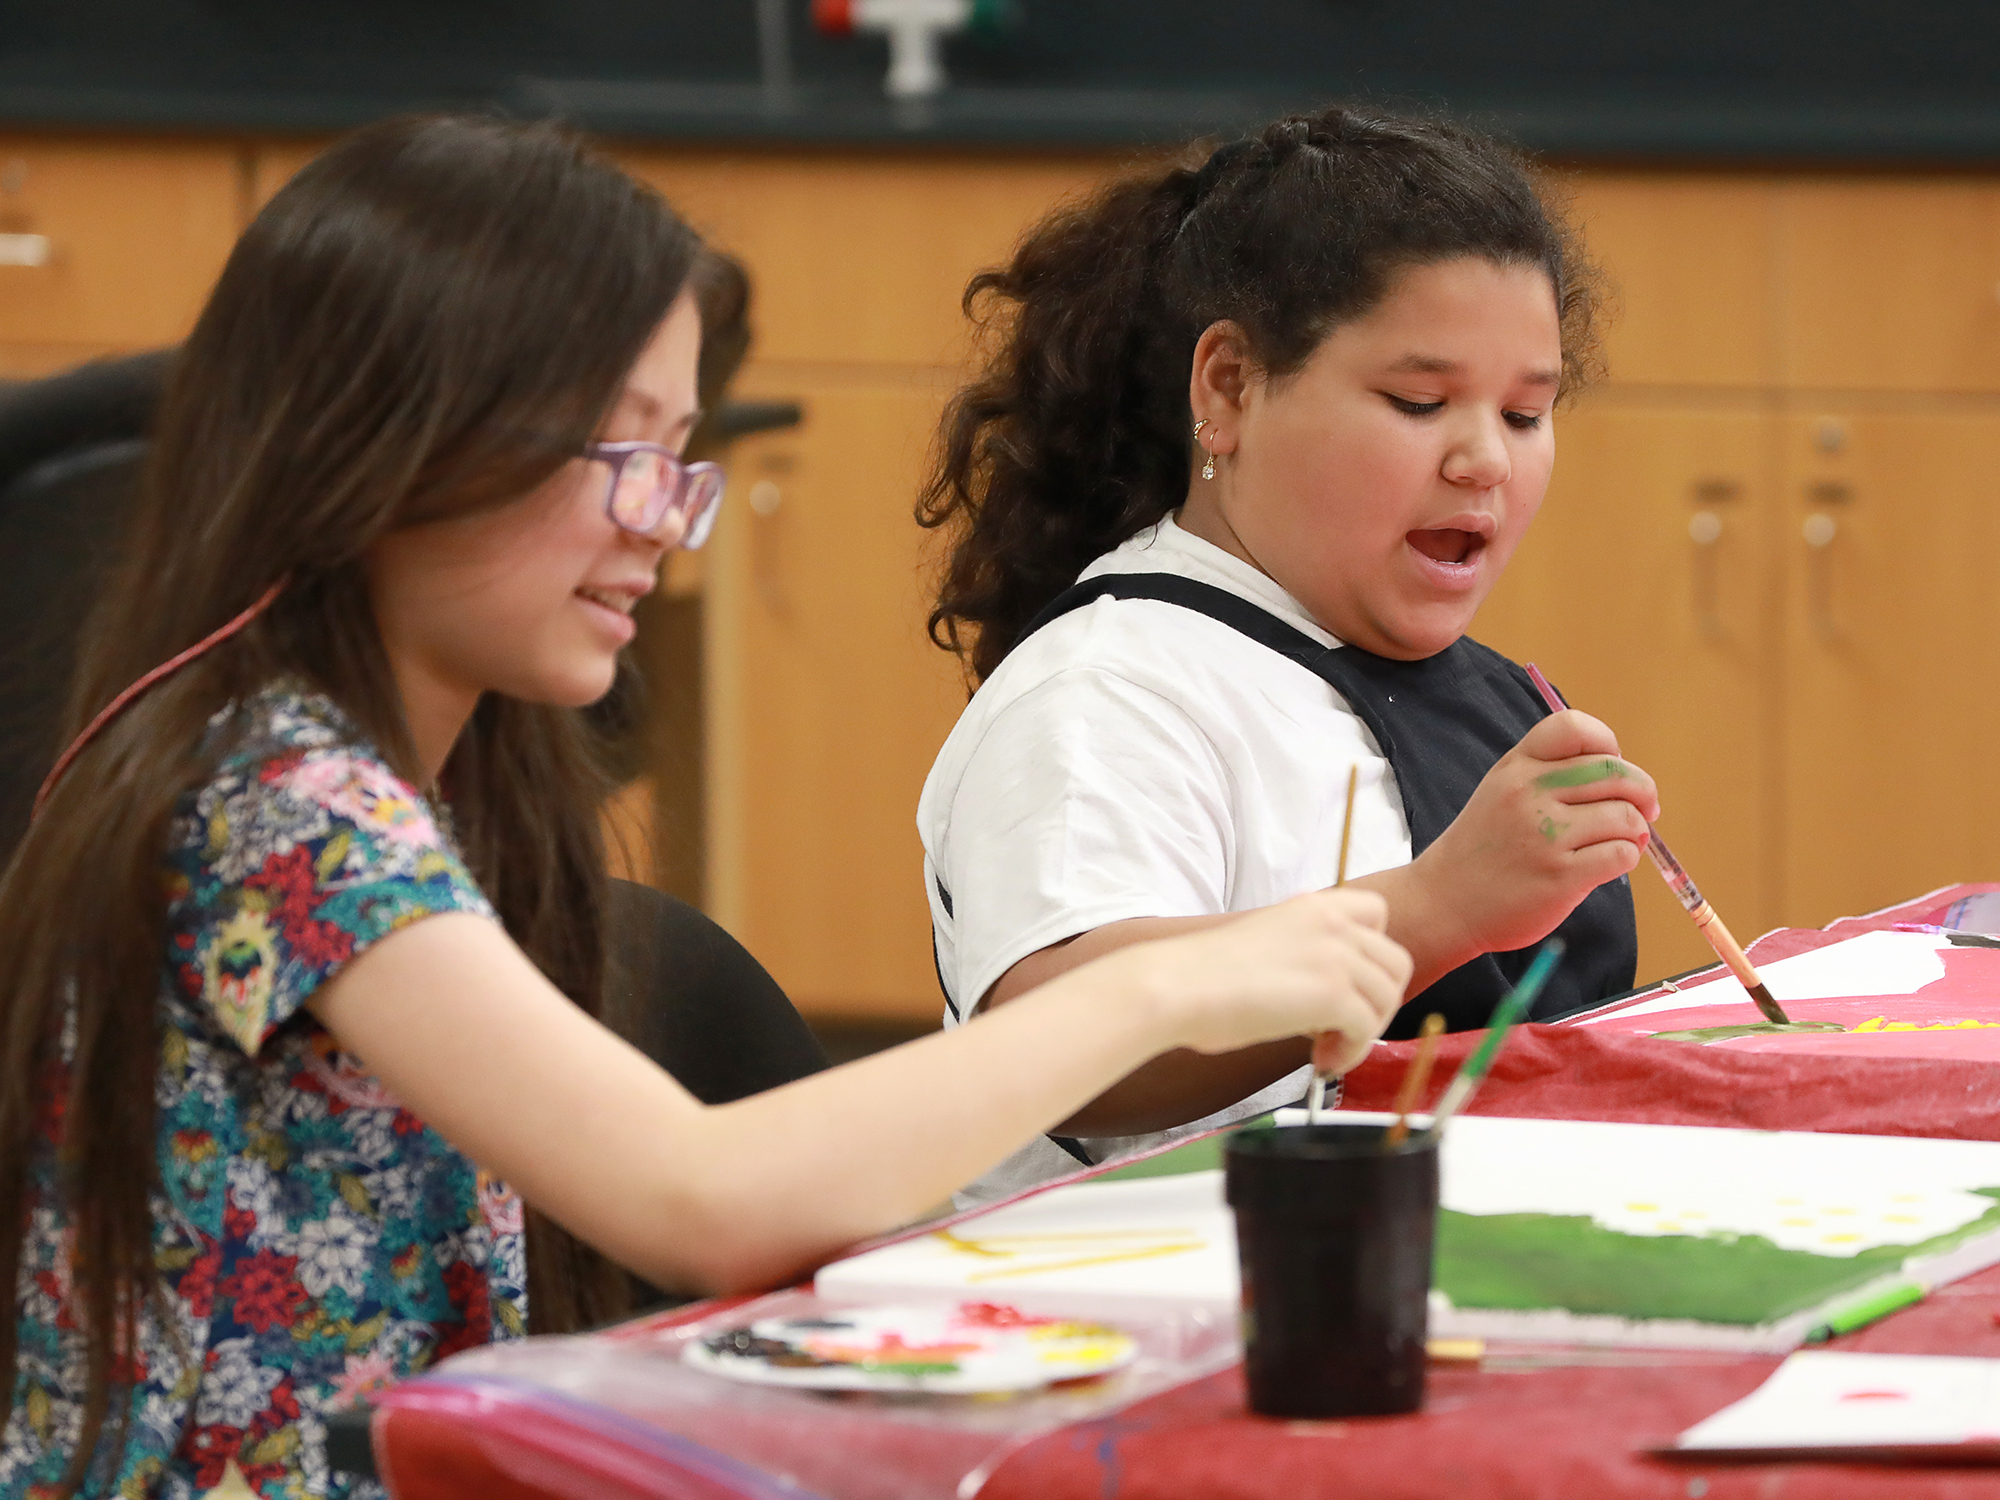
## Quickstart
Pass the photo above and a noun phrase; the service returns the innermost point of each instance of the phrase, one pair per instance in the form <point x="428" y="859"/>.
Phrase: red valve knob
<point x="836" y="17"/>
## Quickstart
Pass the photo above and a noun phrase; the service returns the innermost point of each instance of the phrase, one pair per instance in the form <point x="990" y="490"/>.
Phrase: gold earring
<point x="1208" y="467"/>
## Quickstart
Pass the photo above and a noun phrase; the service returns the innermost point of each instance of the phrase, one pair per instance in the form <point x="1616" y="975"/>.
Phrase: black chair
<point x="70" y="451"/>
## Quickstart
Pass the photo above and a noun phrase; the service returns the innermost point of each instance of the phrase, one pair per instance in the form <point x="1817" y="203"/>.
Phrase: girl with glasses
<point x="302" y="1084"/>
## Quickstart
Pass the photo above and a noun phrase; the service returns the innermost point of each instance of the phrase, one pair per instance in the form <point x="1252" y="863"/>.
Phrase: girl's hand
<point x="1317" y="963"/>
<point x="1559" y="815"/>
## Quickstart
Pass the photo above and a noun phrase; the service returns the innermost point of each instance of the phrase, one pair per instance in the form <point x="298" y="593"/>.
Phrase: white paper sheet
<point x="1820" y="1400"/>
<point x="1876" y="963"/>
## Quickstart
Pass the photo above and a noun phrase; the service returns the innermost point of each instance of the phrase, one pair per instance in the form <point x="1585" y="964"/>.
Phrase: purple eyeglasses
<point x="649" y="485"/>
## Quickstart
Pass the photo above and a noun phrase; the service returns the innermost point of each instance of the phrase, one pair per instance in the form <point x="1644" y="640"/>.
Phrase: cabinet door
<point x="1892" y="617"/>
<point x="1892" y="285"/>
<point x="1642" y="593"/>
<point x="863" y="257"/>
<point x="827" y="703"/>
<point x="1689" y="268"/>
<point x="113" y="245"/>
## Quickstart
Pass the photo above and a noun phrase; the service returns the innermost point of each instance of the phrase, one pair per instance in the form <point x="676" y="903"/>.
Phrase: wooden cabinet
<point x="115" y="244"/>
<point x="1891" y="524"/>
<point x="862" y="259"/>
<point x="1891" y="285"/>
<point x="1688" y="262"/>
<point x="826" y="702"/>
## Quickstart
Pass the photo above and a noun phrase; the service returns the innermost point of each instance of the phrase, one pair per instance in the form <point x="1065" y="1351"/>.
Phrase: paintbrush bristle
<point x="1772" y="1010"/>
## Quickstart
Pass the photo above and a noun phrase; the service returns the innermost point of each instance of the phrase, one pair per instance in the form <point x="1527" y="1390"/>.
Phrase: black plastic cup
<point x="1334" y="1236"/>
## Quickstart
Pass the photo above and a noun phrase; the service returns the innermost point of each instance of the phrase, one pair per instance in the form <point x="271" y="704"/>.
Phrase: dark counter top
<point x="1818" y="81"/>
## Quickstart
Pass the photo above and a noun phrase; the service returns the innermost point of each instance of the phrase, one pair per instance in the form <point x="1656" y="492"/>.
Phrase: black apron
<point x="1442" y="723"/>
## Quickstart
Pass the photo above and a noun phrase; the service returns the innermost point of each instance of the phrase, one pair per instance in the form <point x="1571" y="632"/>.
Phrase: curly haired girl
<point x="1258" y="436"/>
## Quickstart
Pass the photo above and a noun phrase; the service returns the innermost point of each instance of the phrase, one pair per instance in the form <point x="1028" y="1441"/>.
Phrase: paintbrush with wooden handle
<point x="1685" y="891"/>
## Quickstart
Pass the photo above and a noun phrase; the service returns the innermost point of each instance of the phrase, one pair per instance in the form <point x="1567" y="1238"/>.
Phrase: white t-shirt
<point x="1137" y="759"/>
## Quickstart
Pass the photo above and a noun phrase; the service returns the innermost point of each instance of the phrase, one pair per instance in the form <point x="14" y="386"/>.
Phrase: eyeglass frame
<point x="678" y="476"/>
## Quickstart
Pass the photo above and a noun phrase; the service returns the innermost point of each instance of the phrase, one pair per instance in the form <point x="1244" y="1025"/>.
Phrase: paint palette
<point x="962" y="1349"/>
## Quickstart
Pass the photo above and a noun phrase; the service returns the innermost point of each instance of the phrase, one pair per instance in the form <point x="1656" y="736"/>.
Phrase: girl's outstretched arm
<point x="453" y="1018"/>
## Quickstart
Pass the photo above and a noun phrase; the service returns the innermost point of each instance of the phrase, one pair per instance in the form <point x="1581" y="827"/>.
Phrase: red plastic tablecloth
<point x="1574" y="1431"/>
<point x="1568" y="1430"/>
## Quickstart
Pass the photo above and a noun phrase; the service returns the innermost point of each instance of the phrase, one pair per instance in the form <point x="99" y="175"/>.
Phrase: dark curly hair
<point x="1076" y="436"/>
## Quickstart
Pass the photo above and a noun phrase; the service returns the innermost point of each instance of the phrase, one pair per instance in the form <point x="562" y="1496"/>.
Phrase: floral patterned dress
<point x="316" y="1239"/>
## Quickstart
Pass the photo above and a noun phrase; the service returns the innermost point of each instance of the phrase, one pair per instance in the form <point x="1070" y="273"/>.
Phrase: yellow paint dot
<point x="1838" y="1239"/>
<point x="1643" y="1208"/>
<point x="1664" y="1227"/>
<point x="1901" y="1219"/>
<point x="1797" y="1223"/>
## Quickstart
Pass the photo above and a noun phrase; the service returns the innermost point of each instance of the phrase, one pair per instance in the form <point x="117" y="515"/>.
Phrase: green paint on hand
<point x="1551" y="830"/>
<point x="1528" y="1262"/>
<point x="1760" y="1028"/>
<point x="1608" y="769"/>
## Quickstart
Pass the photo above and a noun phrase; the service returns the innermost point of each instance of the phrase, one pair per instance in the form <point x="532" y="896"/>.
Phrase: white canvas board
<point x="1876" y="963"/>
<point x="1097" y="1244"/>
<point x="1819" y="1400"/>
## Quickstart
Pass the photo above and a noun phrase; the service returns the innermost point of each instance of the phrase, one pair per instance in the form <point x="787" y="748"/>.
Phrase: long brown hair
<point x="1077" y="434"/>
<point x="430" y="319"/>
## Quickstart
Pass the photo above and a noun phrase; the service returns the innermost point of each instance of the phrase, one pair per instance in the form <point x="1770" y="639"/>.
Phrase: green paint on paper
<point x="1538" y="1262"/>
<point x="1760" y="1028"/>
<point x="1607" y="769"/>
<point x="1551" y="830"/>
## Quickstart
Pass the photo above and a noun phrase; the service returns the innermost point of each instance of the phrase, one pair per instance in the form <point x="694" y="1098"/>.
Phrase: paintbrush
<point x="1689" y="895"/>
<point x="1414" y="1080"/>
<point x="1316" y="1096"/>
<point x="1505" y="1014"/>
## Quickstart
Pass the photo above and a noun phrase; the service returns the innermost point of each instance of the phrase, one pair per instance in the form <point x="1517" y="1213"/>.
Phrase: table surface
<point x="1563" y="1423"/>
<point x="1511" y="1428"/>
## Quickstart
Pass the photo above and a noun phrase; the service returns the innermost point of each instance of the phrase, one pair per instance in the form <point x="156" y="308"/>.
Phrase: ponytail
<point x="1077" y="434"/>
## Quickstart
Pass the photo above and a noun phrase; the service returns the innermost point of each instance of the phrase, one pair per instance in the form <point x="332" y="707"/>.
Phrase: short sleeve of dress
<point x="285" y="867"/>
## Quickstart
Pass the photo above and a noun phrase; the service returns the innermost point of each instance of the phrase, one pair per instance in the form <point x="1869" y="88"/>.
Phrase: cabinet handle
<point x="1819" y="531"/>
<point x="766" y="500"/>
<point x="25" y="249"/>
<point x="1705" y="530"/>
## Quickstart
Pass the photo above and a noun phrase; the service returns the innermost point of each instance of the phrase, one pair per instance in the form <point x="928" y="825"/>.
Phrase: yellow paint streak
<point x="1151" y="1253"/>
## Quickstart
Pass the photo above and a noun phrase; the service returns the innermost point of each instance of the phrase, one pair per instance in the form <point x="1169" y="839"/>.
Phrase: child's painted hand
<point x="1319" y="963"/>
<point x="1560" y="814"/>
